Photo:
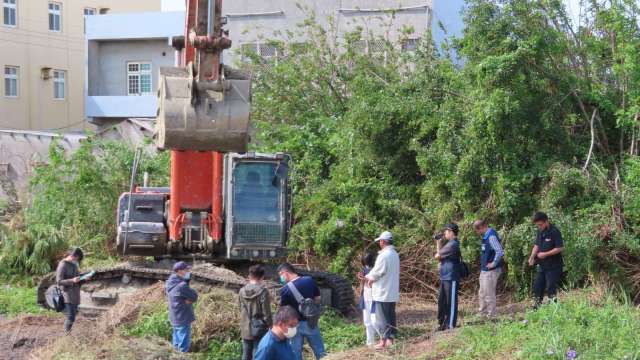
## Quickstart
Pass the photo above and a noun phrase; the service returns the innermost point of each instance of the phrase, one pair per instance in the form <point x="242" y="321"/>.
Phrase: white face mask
<point x="291" y="332"/>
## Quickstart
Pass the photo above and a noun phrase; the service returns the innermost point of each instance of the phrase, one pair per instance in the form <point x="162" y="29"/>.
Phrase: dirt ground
<point x="20" y="336"/>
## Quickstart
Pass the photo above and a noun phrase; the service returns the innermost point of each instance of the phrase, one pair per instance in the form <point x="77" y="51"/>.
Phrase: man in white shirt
<point x="384" y="280"/>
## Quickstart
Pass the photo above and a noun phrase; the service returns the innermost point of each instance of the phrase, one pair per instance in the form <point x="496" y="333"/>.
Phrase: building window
<point x="139" y="78"/>
<point x="9" y="12"/>
<point x="265" y="51"/>
<point x="410" y="45"/>
<point x="58" y="84"/>
<point x="11" y="74"/>
<point x="89" y="11"/>
<point x="55" y="16"/>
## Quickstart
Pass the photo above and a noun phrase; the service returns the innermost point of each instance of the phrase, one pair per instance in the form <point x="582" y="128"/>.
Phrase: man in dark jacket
<point x="547" y="253"/>
<point x="68" y="279"/>
<point x="255" y="305"/>
<point x="449" y="257"/>
<point x="308" y="289"/>
<point x="181" y="298"/>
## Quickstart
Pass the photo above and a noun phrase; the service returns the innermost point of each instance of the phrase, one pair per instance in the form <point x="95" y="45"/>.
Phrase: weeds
<point x="15" y="300"/>
<point x="600" y="329"/>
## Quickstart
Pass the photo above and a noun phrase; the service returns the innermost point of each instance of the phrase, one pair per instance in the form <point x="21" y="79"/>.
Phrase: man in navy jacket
<point x="181" y="298"/>
<point x="491" y="254"/>
<point x="449" y="256"/>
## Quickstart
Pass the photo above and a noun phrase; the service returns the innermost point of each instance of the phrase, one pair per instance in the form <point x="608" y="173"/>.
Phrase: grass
<point x="595" y="329"/>
<point x="16" y="300"/>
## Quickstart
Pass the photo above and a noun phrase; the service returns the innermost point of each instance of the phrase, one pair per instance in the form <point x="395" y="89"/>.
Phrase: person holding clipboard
<point x="69" y="279"/>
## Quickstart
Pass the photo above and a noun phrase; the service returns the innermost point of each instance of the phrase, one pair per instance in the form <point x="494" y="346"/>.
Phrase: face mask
<point x="282" y="279"/>
<point x="187" y="276"/>
<point x="291" y="332"/>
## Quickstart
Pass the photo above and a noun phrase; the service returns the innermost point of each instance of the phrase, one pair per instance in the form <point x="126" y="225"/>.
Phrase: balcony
<point x="121" y="106"/>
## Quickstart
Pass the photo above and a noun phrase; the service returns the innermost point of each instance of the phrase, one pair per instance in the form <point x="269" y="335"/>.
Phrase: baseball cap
<point x="181" y="265"/>
<point x="453" y="227"/>
<point x="386" y="236"/>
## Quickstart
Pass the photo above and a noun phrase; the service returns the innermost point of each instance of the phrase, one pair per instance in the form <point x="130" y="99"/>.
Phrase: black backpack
<point x="257" y="325"/>
<point x="308" y="308"/>
<point x="58" y="299"/>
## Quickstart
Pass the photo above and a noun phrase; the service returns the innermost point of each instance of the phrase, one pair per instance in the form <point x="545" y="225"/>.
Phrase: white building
<point x="123" y="59"/>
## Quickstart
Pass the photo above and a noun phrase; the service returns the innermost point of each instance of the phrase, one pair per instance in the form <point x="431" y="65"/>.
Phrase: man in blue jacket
<point x="491" y="255"/>
<point x="449" y="256"/>
<point x="181" y="298"/>
<point x="275" y="344"/>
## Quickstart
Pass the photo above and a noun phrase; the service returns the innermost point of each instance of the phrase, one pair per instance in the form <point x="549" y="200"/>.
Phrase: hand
<point x="360" y="275"/>
<point x="188" y="302"/>
<point x="490" y="266"/>
<point x="369" y="283"/>
<point x="542" y="255"/>
<point x="76" y="279"/>
<point x="437" y="255"/>
<point x="532" y="261"/>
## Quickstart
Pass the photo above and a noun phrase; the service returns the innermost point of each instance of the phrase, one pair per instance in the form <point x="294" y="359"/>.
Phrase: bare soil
<point x="20" y="336"/>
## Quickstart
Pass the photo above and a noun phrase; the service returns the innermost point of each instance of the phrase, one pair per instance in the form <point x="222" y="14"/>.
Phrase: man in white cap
<point x="384" y="280"/>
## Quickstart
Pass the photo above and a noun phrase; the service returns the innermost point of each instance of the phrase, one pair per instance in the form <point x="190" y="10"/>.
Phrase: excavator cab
<point x="257" y="205"/>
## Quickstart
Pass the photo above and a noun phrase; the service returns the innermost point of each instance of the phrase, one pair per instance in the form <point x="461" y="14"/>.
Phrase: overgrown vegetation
<point x="73" y="203"/>
<point x="540" y="114"/>
<point x="576" y="326"/>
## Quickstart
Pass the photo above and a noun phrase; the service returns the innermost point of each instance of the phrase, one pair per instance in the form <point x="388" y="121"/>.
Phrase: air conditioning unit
<point x="45" y="73"/>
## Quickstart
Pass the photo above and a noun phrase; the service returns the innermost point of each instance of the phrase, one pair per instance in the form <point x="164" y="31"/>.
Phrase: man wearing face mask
<point x="384" y="281"/>
<point x="69" y="279"/>
<point x="307" y="289"/>
<point x="181" y="298"/>
<point x="275" y="343"/>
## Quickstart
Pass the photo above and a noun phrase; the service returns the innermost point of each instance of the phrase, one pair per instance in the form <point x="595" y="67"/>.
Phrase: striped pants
<point x="448" y="304"/>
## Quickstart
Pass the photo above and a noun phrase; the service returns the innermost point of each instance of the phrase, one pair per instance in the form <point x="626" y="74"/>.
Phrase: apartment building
<point x="42" y="59"/>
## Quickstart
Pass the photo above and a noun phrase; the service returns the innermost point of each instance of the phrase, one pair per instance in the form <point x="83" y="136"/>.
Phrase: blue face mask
<point x="282" y="279"/>
<point x="187" y="276"/>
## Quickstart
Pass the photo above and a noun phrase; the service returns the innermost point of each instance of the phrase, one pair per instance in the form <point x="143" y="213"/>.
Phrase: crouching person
<point x="255" y="312"/>
<point x="275" y="344"/>
<point x="69" y="279"/>
<point x="181" y="298"/>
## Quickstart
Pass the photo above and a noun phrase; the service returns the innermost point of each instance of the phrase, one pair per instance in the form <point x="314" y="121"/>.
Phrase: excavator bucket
<point x="205" y="115"/>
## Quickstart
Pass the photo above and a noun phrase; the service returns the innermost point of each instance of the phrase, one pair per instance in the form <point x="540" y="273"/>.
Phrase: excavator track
<point x="126" y="274"/>
<point x="109" y="285"/>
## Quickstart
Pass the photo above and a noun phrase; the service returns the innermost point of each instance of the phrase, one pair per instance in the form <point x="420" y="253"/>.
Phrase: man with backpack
<point x="302" y="294"/>
<point x="255" y="312"/>
<point x="450" y="259"/>
<point x="491" y="254"/>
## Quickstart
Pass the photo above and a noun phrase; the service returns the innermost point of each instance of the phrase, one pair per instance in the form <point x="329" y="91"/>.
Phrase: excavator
<point x="224" y="205"/>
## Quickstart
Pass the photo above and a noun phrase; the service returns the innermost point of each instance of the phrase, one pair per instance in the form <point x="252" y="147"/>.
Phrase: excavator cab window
<point x="256" y="196"/>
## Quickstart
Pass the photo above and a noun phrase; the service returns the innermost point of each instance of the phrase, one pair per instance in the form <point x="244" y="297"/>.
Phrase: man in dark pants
<point x="547" y="253"/>
<point x="68" y="278"/>
<point x="449" y="256"/>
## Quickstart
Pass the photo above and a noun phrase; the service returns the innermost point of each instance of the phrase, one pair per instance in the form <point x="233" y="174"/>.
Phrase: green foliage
<point x="153" y="321"/>
<point x="576" y="323"/>
<point x="73" y="203"/>
<point x="16" y="300"/>
<point x="338" y="334"/>
<point x="410" y="141"/>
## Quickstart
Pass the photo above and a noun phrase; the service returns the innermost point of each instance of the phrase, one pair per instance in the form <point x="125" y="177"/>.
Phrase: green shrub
<point x="594" y="329"/>
<point x="15" y="300"/>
